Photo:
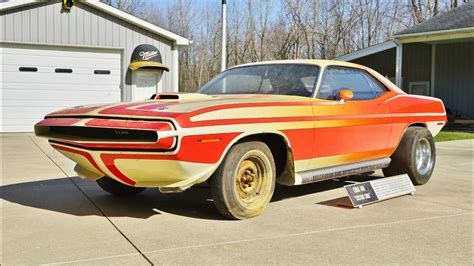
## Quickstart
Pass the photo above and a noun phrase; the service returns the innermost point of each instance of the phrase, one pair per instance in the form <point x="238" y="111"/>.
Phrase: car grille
<point x="79" y="133"/>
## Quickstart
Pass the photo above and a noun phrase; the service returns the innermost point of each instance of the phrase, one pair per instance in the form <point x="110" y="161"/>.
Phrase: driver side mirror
<point x="345" y="95"/>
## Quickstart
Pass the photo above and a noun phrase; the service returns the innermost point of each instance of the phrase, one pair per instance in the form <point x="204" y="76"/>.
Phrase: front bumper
<point x="137" y="169"/>
<point x="129" y="151"/>
<point x="170" y="162"/>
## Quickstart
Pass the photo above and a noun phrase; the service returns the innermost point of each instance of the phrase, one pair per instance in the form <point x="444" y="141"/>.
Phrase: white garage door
<point x="37" y="80"/>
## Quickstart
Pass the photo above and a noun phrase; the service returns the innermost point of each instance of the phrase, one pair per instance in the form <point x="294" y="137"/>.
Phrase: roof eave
<point x="368" y="51"/>
<point x="18" y="3"/>
<point x="175" y="38"/>
<point x="433" y="32"/>
<point x="436" y="35"/>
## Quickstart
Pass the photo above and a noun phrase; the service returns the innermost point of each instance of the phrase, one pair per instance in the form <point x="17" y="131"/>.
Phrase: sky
<point x="166" y="3"/>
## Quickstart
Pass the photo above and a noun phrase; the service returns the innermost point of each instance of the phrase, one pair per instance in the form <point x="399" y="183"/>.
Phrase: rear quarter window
<point x="361" y="83"/>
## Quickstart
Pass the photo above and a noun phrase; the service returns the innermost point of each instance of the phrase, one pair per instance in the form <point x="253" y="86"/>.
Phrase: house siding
<point x="44" y="23"/>
<point x="454" y="77"/>
<point x="383" y="62"/>
<point x="416" y="65"/>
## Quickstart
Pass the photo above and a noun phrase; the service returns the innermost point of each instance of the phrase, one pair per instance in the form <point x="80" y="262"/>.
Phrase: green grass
<point x="448" y="135"/>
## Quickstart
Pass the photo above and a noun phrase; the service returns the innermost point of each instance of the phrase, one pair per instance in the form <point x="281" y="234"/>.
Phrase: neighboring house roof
<point x="178" y="40"/>
<point x="445" y="26"/>
<point x="457" y="18"/>
<point x="368" y="51"/>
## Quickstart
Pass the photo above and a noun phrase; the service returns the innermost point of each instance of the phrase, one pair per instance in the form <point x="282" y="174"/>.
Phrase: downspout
<point x="224" y="37"/>
<point x="398" y="64"/>
<point x="174" y="68"/>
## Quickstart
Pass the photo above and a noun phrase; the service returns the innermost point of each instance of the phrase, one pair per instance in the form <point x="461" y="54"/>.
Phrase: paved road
<point x="51" y="216"/>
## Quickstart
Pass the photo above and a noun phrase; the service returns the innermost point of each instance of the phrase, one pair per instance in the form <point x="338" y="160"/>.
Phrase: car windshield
<point x="283" y="79"/>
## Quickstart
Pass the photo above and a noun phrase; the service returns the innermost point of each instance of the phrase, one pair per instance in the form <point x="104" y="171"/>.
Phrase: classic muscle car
<point x="287" y="122"/>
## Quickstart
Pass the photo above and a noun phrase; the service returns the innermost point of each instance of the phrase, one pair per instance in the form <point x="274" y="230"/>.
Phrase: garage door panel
<point x="29" y="112"/>
<point x="35" y="112"/>
<point x="17" y="98"/>
<point x="28" y="96"/>
<point x="43" y="61"/>
<point x="38" y="87"/>
<point x="15" y="125"/>
<point x="49" y="69"/>
<point x="47" y="103"/>
<point x="65" y="52"/>
<point x="19" y="121"/>
<point x="59" y="78"/>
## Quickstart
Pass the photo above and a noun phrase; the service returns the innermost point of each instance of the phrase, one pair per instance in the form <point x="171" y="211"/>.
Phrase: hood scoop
<point x="165" y="97"/>
<point x="180" y="96"/>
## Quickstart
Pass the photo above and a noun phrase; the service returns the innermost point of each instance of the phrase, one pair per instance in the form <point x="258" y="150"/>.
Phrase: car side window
<point x="309" y="82"/>
<point x="362" y="84"/>
<point x="377" y="87"/>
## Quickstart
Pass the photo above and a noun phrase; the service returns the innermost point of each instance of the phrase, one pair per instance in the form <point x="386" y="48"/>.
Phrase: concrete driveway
<point x="50" y="216"/>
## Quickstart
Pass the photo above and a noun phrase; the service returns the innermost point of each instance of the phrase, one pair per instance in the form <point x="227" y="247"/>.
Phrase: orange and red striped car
<point x="288" y="122"/>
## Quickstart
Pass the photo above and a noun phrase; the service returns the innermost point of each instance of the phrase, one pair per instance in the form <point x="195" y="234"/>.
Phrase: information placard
<point x="381" y="189"/>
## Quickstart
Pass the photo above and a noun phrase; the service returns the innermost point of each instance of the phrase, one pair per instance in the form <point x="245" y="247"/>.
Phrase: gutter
<point x="468" y="29"/>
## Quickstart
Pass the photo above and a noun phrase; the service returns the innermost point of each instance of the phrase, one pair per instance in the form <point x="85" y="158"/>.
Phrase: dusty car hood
<point x="175" y="105"/>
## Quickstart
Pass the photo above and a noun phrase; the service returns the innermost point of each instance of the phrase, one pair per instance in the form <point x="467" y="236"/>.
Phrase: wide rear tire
<point x="415" y="156"/>
<point x="116" y="188"/>
<point x="243" y="184"/>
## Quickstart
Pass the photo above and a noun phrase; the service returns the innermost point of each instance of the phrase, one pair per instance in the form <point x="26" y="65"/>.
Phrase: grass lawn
<point x="448" y="135"/>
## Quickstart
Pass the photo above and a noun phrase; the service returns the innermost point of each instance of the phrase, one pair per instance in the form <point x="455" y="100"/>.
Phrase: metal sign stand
<point x="373" y="191"/>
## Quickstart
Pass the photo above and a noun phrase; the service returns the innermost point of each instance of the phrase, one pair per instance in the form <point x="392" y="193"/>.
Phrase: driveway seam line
<point x="90" y="259"/>
<point x="94" y="204"/>
<point x="453" y="148"/>
<point x="304" y="233"/>
<point x="447" y="205"/>
<point x="256" y="239"/>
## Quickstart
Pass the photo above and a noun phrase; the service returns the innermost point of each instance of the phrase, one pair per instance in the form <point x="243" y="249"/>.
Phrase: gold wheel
<point x="250" y="177"/>
<point x="244" y="183"/>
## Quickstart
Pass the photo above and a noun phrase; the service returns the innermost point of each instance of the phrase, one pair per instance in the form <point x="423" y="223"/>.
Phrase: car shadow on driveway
<point x="61" y="195"/>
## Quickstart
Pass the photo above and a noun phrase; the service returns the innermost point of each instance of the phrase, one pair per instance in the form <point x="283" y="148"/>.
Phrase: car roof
<point x="318" y="62"/>
<point x="323" y="63"/>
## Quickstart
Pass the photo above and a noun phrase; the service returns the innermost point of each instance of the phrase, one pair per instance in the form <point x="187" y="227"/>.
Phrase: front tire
<point x="415" y="156"/>
<point x="116" y="188"/>
<point x="243" y="184"/>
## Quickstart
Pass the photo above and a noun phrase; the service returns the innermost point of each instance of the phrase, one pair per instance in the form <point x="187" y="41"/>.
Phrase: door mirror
<point x="345" y="94"/>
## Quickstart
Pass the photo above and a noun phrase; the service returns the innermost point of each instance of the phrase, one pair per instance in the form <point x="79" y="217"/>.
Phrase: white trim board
<point x="433" y="69"/>
<point x="468" y="29"/>
<point x="398" y="65"/>
<point x="368" y="51"/>
<point x="18" y="3"/>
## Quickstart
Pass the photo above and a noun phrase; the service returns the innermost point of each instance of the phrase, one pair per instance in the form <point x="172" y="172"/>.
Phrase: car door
<point x="354" y="130"/>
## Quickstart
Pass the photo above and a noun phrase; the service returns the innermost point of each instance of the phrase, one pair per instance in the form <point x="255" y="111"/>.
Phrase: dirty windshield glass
<point x="283" y="79"/>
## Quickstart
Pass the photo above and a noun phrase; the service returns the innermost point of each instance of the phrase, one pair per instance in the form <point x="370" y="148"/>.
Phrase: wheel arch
<point x="414" y="124"/>
<point x="403" y="159"/>
<point x="280" y="147"/>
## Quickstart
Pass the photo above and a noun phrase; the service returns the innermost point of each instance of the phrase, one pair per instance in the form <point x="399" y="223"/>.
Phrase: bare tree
<point x="134" y="7"/>
<point x="278" y="29"/>
<point x="422" y="10"/>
